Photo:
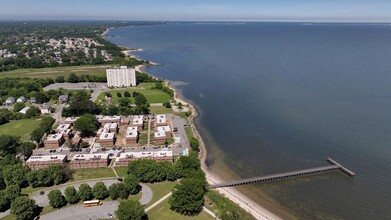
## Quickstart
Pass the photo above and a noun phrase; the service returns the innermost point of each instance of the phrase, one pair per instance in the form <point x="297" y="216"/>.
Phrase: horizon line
<point x="216" y="21"/>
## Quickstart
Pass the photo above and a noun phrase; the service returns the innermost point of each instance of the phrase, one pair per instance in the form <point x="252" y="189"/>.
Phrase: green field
<point x="92" y="173"/>
<point x="121" y="171"/>
<point x="163" y="212"/>
<point x="53" y="72"/>
<point x="160" y="110"/>
<point x="160" y="189"/>
<point x="152" y="95"/>
<point x="21" y="128"/>
<point x="189" y="133"/>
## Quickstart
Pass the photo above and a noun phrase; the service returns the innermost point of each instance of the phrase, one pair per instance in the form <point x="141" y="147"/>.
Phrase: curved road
<point x="76" y="211"/>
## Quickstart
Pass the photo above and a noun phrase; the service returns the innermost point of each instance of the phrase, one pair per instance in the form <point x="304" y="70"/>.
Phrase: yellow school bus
<point x="92" y="203"/>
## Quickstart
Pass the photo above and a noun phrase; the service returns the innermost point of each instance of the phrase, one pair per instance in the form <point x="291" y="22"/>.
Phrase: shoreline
<point x="233" y="194"/>
<point x="237" y="197"/>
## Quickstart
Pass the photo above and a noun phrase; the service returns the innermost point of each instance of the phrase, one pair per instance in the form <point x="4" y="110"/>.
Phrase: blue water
<point x="276" y="97"/>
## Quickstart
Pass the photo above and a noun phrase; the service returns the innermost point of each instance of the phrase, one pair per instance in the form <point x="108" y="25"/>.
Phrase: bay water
<point x="276" y="97"/>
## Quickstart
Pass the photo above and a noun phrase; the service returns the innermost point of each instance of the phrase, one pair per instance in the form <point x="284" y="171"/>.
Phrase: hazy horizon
<point x="213" y="10"/>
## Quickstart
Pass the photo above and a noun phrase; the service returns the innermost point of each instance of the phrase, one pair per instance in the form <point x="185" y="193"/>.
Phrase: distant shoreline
<point x="234" y="195"/>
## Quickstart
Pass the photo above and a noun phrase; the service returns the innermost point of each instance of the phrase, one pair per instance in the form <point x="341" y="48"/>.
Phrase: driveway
<point x="180" y="123"/>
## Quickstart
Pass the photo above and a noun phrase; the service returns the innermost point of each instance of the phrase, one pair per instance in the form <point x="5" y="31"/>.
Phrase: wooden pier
<point x="333" y="166"/>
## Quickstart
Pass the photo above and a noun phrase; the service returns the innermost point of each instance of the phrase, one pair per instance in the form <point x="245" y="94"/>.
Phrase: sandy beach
<point x="105" y="32"/>
<point x="234" y="195"/>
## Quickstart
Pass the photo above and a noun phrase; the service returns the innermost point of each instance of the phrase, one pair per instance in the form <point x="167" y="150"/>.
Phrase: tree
<point x="123" y="191"/>
<point x="100" y="191"/>
<point x="113" y="110"/>
<point x="12" y="192"/>
<point x="4" y="202"/>
<point x="118" y="190"/>
<point x="39" y="178"/>
<point x="37" y="134"/>
<point x="130" y="210"/>
<point x="15" y="175"/>
<point x="56" y="199"/>
<point x="18" y="106"/>
<point x="145" y="170"/>
<point x="33" y="112"/>
<point x="81" y="95"/>
<point x="167" y="104"/>
<point x="60" y="79"/>
<point x="41" y="97"/>
<point x="113" y="191"/>
<point x="131" y="184"/>
<point x="194" y="144"/>
<point x="77" y="108"/>
<point x="139" y="99"/>
<point x="57" y="173"/>
<point x="72" y="78"/>
<point x="187" y="197"/>
<point x="23" y="208"/>
<point x="124" y="102"/>
<point x="26" y="149"/>
<point x="119" y="95"/>
<point x="87" y="124"/>
<point x="8" y="144"/>
<point x="127" y="94"/>
<point x="71" y="195"/>
<point x="85" y="192"/>
<point x="179" y="105"/>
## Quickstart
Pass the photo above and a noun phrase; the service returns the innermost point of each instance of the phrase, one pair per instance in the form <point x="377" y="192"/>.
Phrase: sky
<point x="199" y="10"/>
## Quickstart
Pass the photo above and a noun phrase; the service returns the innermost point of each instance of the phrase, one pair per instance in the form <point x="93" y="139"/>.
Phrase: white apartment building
<point x="121" y="76"/>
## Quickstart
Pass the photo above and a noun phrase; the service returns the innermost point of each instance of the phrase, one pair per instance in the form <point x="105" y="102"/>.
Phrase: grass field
<point x="143" y="139"/>
<point x="152" y="95"/>
<point x="163" y="212"/>
<point x="53" y="72"/>
<point x="29" y="189"/>
<point x="189" y="133"/>
<point x="121" y="171"/>
<point x="160" y="189"/>
<point x="21" y="128"/>
<point x="92" y="173"/>
<point x="160" y="110"/>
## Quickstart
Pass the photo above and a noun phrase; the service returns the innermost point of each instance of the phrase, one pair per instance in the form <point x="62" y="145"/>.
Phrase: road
<point x="42" y="200"/>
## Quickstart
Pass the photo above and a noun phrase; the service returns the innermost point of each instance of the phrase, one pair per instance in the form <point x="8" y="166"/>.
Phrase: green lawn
<point x="163" y="212"/>
<point x="53" y="72"/>
<point x="160" y="110"/>
<point x="152" y="95"/>
<point x="92" y="173"/>
<point x="20" y="128"/>
<point x="143" y="139"/>
<point x="52" y="101"/>
<point x="29" y="189"/>
<point x="121" y="171"/>
<point x="189" y="133"/>
<point x="160" y="189"/>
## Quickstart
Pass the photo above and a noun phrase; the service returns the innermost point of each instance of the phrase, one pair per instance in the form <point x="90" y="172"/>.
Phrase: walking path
<point x="158" y="202"/>
<point x="149" y="133"/>
<point x="168" y="195"/>
<point x="210" y="212"/>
